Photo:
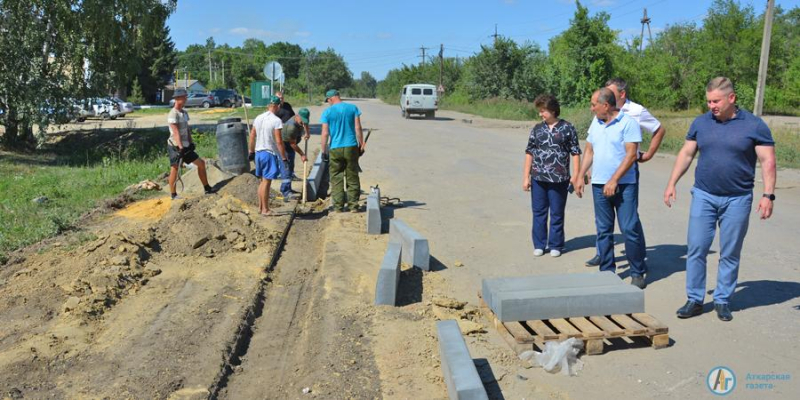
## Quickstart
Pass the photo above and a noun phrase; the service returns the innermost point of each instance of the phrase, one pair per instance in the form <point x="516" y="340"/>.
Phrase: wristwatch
<point x="770" y="196"/>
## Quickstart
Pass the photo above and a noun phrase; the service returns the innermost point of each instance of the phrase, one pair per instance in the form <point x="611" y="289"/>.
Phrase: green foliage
<point x="62" y="49"/>
<point x="670" y="73"/>
<point x="581" y="58"/>
<point x="136" y="96"/>
<point x="491" y="72"/>
<point x="364" y="87"/>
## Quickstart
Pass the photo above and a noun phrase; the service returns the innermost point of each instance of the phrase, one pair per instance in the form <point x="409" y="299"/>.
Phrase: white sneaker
<point x="555" y="253"/>
<point x="538" y="252"/>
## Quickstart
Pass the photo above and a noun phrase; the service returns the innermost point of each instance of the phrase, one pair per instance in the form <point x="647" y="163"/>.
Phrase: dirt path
<point x="150" y="308"/>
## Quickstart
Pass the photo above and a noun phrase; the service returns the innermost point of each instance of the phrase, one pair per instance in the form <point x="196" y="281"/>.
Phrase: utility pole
<point x="423" y="48"/>
<point x="495" y="36"/>
<point x="441" y="64"/>
<point x="758" y="108"/>
<point x="209" y="66"/>
<point x="308" y="84"/>
<point x="645" y="21"/>
<point x="223" y="72"/>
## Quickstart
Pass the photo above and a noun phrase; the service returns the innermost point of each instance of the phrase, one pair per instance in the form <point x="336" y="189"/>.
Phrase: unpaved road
<point x="459" y="185"/>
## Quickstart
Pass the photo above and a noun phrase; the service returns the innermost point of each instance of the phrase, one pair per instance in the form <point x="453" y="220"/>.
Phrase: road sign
<point x="440" y="89"/>
<point x="273" y="70"/>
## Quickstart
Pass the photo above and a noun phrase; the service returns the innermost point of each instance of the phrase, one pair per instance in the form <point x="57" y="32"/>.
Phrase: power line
<point x="423" y="48"/>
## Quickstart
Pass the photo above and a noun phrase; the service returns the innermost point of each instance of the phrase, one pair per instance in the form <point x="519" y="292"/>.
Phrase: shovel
<point x="305" y="173"/>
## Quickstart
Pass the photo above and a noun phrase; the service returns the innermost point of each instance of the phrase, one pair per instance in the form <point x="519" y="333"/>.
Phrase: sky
<point x="379" y="35"/>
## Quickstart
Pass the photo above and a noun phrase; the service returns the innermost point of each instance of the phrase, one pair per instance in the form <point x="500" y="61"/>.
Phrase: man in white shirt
<point x="647" y="123"/>
<point x="266" y="145"/>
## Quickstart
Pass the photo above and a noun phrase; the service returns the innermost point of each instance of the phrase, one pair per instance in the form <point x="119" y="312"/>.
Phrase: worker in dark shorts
<point x="180" y="145"/>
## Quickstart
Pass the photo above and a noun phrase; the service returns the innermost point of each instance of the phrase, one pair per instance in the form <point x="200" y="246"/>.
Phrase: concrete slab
<point x="415" y="247"/>
<point x="460" y="374"/>
<point x="316" y="178"/>
<point x="538" y="282"/>
<point x="373" y="215"/>
<point x="389" y="276"/>
<point x="568" y="302"/>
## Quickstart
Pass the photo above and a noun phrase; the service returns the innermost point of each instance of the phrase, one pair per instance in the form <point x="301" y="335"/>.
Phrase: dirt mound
<point x="118" y="263"/>
<point x="211" y="226"/>
<point x="244" y="187"/>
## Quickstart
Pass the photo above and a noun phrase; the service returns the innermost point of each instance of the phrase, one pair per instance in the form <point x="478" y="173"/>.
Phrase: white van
<point x="419" y="98"/>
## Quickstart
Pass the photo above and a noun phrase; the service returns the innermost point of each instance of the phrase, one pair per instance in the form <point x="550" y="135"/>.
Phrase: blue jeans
<point x="732" y="213"/>
<point x="549" y="198"/>
<point x="624" y="205"/>
<point x="286" y="184"/>
<point x="639" y="228"/>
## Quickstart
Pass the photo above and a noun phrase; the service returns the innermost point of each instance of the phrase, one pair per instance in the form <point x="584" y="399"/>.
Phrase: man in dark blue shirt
<point x="730" y="141"/>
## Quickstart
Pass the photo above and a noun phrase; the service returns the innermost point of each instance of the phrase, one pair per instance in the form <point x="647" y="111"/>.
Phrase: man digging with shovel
<point x="293" y="131"/>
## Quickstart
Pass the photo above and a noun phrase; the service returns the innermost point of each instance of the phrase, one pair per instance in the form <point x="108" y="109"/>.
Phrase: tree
<point x="59" y="49"/>
<point x="325" y="70"/>
<point x="581" y="58"/>
<point x="136" y="96"/>
<point x="491" y="72"/>
<point x="157" y="56"/>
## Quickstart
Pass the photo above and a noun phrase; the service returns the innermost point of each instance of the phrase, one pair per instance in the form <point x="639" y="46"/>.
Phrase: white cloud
<point x="384" y="35"/>
<point x="269" y="34"/>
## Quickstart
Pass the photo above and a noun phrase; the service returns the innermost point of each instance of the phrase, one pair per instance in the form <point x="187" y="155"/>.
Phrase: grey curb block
<point x="389" y="276"/>
<point x="415" y="247"/>
<point x="373" y="215"/>
<point x="561" y="296"/>
<point x="460" y="374"/>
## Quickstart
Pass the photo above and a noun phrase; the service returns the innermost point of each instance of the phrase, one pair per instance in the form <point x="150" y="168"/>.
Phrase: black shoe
<point x="174" y="196"/>
<point x="594" y="262"/>
<point x="209" y="190"/>
<point x="639" y="282"/>
<point x="690" y="309"/>
<point x="723" y="312"/>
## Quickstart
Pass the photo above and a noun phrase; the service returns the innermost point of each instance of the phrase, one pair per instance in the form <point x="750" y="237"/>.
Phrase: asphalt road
<point x="462" y="184"/>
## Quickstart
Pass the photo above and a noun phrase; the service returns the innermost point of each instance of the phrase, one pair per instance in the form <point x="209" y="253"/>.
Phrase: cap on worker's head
<point x="180" y="93"/>
<point x="331" y="93"/>
<point x="304" y="114"/>
<point x="274" y="100"/>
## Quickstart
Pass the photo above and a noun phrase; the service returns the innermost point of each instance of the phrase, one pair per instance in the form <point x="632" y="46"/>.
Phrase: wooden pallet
<point x="595" y="331"/>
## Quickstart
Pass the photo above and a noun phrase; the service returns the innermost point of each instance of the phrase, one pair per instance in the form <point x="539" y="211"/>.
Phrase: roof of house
<point x="184" y="83"/>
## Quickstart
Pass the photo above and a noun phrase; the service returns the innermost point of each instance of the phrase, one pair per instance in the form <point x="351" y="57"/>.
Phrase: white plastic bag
<point x="557" y="356"/>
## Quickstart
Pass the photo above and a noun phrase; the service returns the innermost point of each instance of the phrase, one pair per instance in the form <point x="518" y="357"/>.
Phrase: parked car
<point x="96" y="107"/>
<point x="419" y="98"/>
<point x="204" y="100"/>
<point x="124" y="106"/>
<point x="227" y="98"/>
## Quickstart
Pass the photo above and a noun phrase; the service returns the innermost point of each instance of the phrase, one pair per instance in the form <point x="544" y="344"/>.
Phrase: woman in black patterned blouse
<point x="551" y="145"/>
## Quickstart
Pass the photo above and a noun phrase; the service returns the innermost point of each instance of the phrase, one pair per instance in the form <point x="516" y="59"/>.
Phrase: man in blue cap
<point x="341" y="122"/>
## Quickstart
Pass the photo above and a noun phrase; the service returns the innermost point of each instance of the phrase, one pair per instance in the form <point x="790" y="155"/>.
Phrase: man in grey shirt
<point x="180" y="145"/>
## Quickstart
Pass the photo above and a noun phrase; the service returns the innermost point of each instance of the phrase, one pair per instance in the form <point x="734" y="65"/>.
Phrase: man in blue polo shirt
<point x="730" y="140"/>
<point x="611" y="150"/>
<point x="342" y="123"/>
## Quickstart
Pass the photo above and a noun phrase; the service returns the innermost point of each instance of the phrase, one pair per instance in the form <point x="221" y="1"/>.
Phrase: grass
<point x="76" y="179"/>
<point x="149" y="111"/>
